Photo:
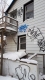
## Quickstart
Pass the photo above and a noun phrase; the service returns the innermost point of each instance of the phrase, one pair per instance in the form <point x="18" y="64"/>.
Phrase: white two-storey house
<point x="27" y="18"/>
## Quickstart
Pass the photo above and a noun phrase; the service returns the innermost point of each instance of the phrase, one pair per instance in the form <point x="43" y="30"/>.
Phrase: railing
<point x="10" y="22"/>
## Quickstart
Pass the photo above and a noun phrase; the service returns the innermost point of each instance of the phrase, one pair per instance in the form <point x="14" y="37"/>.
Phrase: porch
<point x="8" y="24"/>
<point x="8" y="27"/>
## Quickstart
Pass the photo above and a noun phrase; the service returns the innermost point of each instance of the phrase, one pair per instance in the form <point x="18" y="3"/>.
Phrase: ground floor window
<point x="22" y="42"/>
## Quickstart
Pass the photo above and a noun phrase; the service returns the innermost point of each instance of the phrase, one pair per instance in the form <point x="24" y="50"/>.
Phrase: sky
<point x="9" y="1"/>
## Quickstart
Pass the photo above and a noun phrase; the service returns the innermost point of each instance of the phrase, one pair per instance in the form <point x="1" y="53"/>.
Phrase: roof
<point x="10" y="6"/>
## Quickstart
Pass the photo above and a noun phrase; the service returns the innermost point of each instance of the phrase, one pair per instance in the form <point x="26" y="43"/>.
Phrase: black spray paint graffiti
<point x="20" y="12"/>
<point x="35" y="33"/>
<point x="23" y="73"/>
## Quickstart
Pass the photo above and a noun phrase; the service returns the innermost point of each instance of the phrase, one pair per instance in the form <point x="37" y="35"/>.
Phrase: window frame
<point x="24" y="9"/>
<point x="19" y="37"/>
<point x="11" y="14"/>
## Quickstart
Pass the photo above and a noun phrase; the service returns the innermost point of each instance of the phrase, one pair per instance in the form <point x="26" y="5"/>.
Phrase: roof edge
<point x="10" y="6"/>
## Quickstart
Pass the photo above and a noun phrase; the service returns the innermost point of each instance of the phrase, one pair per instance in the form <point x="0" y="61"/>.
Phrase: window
<point x="22" y="42"/>
<point x="14" y="14"/>
<point x="29" y="10"/>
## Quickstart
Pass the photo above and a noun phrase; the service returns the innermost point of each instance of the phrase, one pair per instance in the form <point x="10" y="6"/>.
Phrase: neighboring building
<point x="30" y="35"/>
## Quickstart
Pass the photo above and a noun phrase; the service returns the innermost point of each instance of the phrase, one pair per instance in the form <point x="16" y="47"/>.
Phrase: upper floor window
<point x="29" y="10"/>
<point x="14" y="14"/>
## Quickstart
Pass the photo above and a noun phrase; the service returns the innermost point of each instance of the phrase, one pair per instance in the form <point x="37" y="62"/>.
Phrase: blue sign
<point x="22" y="28"/>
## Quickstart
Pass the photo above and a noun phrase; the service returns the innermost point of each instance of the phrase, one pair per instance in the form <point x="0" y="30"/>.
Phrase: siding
<point x="11" y="45"/>
<point x="37" y="21"/>
<point x="38" y="58"/>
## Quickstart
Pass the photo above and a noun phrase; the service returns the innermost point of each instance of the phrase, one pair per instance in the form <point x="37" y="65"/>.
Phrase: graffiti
<point x="23" y="73"/>
<point x="32" y="77"/>
<point x="35" y="33"/>
<point x="20" y="11"/>
<point x="22" y="28"/>
<point x="41" y="44"/>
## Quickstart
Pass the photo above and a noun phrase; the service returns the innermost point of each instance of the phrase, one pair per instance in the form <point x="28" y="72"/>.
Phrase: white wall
<point x="39" y="59"/>
<point x="20" y="70"/>
<point x="38" y="21"/>
<point x="11" y="46"/>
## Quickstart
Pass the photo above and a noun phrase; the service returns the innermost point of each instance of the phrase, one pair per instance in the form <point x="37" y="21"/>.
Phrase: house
<point x="27" y="18"/>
